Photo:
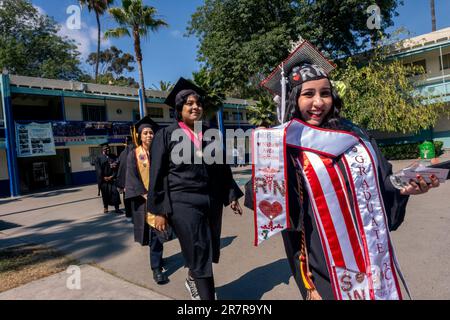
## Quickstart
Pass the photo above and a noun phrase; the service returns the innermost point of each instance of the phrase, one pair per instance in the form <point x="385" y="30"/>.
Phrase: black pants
<point x="110" y="195"/>
<point x="127" y="204"/>
<point x="156" y="250"/>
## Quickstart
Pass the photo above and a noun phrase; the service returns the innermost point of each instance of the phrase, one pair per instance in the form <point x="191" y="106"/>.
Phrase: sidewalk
<point x="95" y="284"/>
<point x="72" y="221"/>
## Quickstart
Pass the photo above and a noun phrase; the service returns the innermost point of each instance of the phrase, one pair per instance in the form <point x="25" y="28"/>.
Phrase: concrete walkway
<point x="72" y="221"/>
<point x="94" y="284"/>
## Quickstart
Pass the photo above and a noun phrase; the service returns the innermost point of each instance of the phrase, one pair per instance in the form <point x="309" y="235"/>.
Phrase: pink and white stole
<point x="358" y="251"/>
<point x="197" y="141"/>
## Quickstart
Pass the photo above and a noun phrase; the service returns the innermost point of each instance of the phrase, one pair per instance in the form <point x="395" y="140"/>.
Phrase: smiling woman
<point x="186" y="195"/>
<point x="338" y="205"/>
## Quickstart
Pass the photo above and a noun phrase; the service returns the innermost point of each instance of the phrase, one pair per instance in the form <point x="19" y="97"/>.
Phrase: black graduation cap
<point x="104" y="145"/>
<point x="304" y="53"/>
<point x="173" y="99"/>
<point x="145" y="122"/>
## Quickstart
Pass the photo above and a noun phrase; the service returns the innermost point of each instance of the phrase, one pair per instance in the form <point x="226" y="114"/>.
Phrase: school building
<point x="432" y="52"/>
<point x="50" y="130"/>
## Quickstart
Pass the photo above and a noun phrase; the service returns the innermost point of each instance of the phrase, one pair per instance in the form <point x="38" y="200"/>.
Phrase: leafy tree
<point x="263" y="113"/>
<point x="242" y="40"/>
<point x="381" y="96"/>
<point x="99" y="7"/>
<point x="30" y="45"/>
<point x="135" y="20"/>
<point x="112" y="60"/>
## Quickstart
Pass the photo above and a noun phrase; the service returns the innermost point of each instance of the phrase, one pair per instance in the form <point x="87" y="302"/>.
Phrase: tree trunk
<point x="433" y="16"/>
<point x="138" y="52"/>
<point x="98" y="45"/>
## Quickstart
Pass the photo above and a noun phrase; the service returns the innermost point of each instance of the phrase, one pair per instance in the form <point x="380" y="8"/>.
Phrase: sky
<point x="168" y="54"/>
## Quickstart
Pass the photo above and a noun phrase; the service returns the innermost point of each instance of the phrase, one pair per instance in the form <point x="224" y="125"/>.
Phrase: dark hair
<point x="179" y="106"/>
<point x="331" y="121"/>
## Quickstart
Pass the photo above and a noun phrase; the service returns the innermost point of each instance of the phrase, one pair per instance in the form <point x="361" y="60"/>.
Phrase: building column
<point x="221" y="126"/>
<point x="10" y="138"/>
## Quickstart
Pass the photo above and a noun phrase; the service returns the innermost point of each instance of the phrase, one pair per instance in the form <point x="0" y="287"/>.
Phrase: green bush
<point x="407" y="150"/>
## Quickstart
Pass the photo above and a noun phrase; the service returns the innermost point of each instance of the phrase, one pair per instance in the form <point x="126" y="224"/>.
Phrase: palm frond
<point x="117" y="33"/>
<point x="120" y="15"/>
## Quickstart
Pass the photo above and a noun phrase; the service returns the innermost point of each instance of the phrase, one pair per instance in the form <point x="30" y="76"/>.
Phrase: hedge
<point x="407" y="150"/>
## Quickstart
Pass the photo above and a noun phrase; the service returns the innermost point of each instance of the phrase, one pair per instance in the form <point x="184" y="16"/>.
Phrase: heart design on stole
<point x="270" y="210"/>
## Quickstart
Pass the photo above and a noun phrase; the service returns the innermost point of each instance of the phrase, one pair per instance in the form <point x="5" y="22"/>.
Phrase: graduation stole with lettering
<point x="143" y="166"/>
<point x="357" y="247"/>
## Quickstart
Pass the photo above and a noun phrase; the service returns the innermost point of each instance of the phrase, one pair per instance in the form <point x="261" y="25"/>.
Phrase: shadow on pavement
<point x="89" y="240"/>
<point x="253" y="284"/>
<point x="46" y="207"/>
<point x="176" y="261"/>
<point x="7" y="225"/>
<point x="49" y="224"/>
<point x="52" y="193"/>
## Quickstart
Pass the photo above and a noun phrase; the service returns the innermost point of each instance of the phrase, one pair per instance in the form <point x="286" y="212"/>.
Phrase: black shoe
<point x="159" y="276"/>
<point x="118" y="211"/>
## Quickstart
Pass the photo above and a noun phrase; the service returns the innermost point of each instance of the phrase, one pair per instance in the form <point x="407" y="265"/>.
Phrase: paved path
<point x="94" y="284"/>
<point x="72" y="221"/>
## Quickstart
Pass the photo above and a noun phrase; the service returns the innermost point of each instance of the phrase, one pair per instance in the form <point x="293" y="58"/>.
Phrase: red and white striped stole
<point x="354" y="234"/>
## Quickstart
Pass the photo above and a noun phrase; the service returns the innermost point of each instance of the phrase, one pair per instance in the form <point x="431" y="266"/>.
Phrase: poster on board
<point x="35" y="139"/>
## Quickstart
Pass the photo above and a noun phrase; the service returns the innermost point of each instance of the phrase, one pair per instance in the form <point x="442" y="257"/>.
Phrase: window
<point x="419" y="63"/>
<point x="226" y="115"/>
<point x="136" y="116"/>
<point x="445" y="60"/>
<point x="155" y="112"/>
<point x="237" y="116"/>
<point x="94" y="112"/>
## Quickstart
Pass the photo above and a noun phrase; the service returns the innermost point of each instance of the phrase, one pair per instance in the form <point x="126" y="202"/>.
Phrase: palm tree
<point x="263" y="113"/>
<point x="433" y="16"/>
<point x="214" y="96"/>
<point x="135" y="20"/>
<point x="163" y="86"/>
<point x="99" y="7"/>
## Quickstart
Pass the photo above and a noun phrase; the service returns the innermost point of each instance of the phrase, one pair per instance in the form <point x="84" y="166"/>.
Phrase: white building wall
<point x="72" y="108"/>
<point x="77" y="154"/>
<point x="120" y="110"/>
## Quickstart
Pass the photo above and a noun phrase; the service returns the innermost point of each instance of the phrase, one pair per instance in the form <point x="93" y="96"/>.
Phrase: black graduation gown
<point x="135" y="190"/>
<point x="395" y="205"/>
<point x="122" y="171"/>
<point x="106" y="166"/>
<point x="192" y="196"/>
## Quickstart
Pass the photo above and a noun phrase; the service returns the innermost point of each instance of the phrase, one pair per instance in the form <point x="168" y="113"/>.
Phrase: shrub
<point x="407" y="150"/>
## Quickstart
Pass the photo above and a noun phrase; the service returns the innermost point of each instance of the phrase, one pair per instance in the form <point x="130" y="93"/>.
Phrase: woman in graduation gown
<point x="106" y="166"/>
<point x="190" y="194"/>
<point x="312" y="99"/>
<point x="136" y="189"/>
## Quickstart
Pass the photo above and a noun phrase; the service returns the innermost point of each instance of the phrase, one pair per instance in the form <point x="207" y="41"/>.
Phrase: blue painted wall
<point x="84" y="177"/>
<point x="4" y="188"/>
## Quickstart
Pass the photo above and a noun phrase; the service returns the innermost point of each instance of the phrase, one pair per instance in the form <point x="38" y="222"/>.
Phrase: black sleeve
<point x="394" y="202"/>
<point x="133" y="183"/>
<point x="248" y="200"/>
<point x="121" y="172"/>
<point x="158" y="201"/>
<point x="98" y="170"/>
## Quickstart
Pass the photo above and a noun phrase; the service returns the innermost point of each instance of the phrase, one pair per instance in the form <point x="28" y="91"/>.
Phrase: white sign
<point x="35" y="139"/>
